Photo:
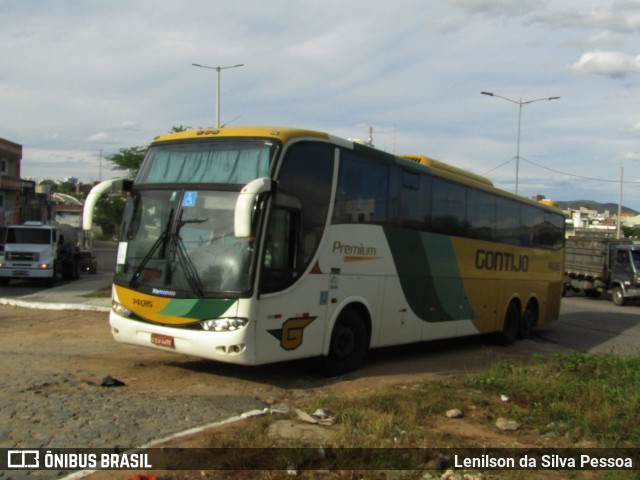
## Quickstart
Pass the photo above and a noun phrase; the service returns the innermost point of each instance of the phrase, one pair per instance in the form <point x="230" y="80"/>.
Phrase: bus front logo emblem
<point x="291" y="333"/>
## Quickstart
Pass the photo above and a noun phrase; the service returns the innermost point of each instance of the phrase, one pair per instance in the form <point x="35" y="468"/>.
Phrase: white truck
<point x="40" y="251"/>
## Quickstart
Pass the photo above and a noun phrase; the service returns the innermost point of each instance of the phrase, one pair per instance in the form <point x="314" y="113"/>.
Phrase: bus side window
<point x="280" y="262"/>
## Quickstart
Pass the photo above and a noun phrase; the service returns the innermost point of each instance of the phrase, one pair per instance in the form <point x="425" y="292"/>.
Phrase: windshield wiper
<point x="177" y="249"/>
<point x="184" y="260"/>
<point x="160" y="241"/>
<point x="189" y="269"/>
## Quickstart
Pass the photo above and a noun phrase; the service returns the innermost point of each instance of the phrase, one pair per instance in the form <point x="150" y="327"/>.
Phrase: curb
<point x="52" y="306"/>
<point x="184" y="433"/>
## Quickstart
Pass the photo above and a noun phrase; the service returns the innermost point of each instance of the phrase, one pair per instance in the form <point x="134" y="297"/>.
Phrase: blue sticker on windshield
<point x="189" y="199"/>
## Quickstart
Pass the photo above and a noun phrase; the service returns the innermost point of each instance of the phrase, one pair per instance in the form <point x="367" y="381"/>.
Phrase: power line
<point x="499" y="166"/>
<point x="559" y="172"/>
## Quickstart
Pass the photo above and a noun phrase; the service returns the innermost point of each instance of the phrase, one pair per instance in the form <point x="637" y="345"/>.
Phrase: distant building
<point x="10" y="184"/>
<point x="66" y="209"/>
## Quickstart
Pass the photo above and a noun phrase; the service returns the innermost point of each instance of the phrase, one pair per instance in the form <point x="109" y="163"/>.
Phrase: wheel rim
<point x="618" y="297"/>
<point x="344" y="343"/>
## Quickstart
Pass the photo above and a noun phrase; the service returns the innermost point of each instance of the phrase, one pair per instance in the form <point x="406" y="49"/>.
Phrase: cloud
<point x="447" y="24"/>
<point x="605" y="39"/>
<point x="127" y="125"/>
<point x="507" y="8"/>
<point x="622" y="16"/>
<point x="97" y="138"/>
<point x="612" y="64"/>
<point x="83" y="77"/>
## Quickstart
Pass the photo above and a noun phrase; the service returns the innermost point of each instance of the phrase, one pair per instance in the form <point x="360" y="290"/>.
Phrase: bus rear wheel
<point x="349" y="344"/>
<point x="528" y="321"/>
<point x="511" y="325"/>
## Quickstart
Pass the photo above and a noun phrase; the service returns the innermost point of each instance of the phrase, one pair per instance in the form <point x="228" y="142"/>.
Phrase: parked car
<point x="88" y="262"/>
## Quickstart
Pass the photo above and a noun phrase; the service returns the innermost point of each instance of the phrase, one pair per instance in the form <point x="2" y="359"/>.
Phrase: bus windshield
<point x="181" y="243"/>
<point x="213" y="162"/>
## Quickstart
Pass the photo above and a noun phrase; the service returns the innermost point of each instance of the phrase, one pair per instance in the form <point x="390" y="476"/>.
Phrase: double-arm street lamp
<point x="217" y="69"/>
<point x="520" y="103"/>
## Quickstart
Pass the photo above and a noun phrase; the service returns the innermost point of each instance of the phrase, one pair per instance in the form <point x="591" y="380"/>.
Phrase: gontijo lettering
<point x="501" y="261"/>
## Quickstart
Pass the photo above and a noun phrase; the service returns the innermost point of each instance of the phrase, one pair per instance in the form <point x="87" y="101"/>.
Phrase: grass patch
<point x="576" y="400"/>
<point x="101" y="293"/>
<point x="596" y="397"/>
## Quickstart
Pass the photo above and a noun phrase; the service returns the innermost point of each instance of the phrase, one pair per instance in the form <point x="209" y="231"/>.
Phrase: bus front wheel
<point x="349" y="344"/>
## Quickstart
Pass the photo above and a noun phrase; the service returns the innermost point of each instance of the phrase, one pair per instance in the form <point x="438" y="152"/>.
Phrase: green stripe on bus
<point x="199" y="309"/>
<point x="429" y="275"/>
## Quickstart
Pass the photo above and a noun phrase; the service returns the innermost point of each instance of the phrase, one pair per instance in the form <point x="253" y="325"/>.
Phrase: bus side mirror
<point x="246" y="201"/>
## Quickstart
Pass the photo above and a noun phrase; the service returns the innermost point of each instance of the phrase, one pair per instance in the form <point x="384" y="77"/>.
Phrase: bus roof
<point x="438" y="165"/>
<point x="283" y="134"/>
<point x="286" y="134"/>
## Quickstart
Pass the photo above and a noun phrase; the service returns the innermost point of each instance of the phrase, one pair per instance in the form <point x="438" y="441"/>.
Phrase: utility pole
<point x="520" y="104"/>
<point x="217" y="69"/>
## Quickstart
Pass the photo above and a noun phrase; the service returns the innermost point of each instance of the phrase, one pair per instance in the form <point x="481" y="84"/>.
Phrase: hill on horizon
<point x="593" y="205"/>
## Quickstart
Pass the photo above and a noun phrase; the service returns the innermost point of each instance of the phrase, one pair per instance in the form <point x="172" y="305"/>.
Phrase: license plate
<point x="21" y="273"/>
<point x="162" y="340"/>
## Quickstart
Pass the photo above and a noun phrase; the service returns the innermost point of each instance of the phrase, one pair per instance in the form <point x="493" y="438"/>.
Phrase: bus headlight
<point x="120" y="309"/>
<point x="223" y="324"/>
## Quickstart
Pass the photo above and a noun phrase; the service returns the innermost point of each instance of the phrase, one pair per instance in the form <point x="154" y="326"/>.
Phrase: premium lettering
<point x="501" y="261"/>
<point x="343" y="249"/>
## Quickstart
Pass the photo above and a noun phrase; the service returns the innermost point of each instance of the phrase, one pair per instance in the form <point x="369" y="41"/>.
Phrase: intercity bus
<point x="253" y="245"/>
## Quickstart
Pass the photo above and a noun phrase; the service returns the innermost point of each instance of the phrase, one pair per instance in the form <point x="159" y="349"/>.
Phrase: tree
<point x="108" y="214"/>
<point x="128" y="159"/>
<point x="631" y="231"/>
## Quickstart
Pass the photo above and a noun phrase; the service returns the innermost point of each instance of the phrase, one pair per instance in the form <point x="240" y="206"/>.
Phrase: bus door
<point x="292" y="295"/>
<point x="291" y="307"/>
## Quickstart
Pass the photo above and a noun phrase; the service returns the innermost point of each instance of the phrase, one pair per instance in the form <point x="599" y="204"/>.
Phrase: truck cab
<point x="625" y="272"/>
<point x="39" y="251"/>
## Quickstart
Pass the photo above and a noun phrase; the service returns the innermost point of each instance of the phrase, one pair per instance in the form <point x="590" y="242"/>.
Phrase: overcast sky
<point x="81" y="77"/>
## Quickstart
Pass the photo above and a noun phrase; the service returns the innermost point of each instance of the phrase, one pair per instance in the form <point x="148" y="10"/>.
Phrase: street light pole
<point x="520" y="104"/>
<point x="217" y="69"/>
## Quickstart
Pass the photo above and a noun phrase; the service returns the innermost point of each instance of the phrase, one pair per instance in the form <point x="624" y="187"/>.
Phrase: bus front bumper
<point x="229" y="347"/>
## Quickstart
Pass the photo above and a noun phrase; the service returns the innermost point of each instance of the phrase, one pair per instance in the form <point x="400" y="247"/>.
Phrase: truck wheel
<point x="51" y="282"/>
<point x="349" y="345"/>
<point x="511" y="325"/>
<point x="617" y="295"/>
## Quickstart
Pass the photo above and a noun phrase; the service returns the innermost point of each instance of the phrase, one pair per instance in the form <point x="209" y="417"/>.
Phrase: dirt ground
<point x="83" y="341"/>
<point x="82" y="344"/>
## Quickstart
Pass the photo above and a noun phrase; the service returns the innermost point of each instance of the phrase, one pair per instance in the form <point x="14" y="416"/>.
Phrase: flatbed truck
<point x="596" y="265"/>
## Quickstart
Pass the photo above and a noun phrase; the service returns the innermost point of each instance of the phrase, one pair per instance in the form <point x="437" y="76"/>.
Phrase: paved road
<point x="596" y="326"/>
